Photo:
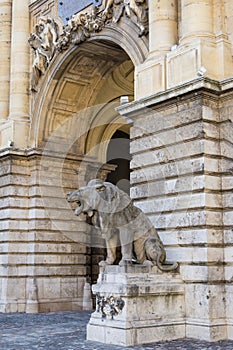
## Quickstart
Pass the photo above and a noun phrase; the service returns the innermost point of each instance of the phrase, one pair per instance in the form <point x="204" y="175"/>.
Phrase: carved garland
<point x="46" y="41"/>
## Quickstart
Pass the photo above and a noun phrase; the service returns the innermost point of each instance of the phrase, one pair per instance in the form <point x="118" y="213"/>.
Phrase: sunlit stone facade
<point x="173" y="61"/>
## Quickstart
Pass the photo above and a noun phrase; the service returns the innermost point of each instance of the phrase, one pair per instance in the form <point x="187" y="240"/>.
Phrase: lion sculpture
<point x="119" y="218"/>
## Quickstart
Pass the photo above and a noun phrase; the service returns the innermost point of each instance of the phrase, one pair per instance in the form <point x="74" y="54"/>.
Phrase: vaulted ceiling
<point x="96" y="74"/>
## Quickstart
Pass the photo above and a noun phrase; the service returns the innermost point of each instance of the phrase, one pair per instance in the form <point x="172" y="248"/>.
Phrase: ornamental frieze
<point x="46" y="39"/>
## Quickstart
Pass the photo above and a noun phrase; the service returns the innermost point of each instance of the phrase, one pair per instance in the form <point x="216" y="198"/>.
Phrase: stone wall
<point x="227" y="200"/>
<point x="182" y="160"/>
<point x="37" y="239"/>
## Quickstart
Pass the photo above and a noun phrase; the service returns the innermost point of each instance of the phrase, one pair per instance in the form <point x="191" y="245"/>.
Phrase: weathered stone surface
<point x="33" y="244"/>
<point x="179" y="88"/>
<point x="146" y="294"/>
<point x="172" y="190"/>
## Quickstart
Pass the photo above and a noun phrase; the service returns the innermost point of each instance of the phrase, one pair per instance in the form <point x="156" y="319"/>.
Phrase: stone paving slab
<point x="67" y="331"/>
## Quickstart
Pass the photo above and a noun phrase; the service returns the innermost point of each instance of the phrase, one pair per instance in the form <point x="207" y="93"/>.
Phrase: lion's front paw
<point x="124" y="262"/>
<point x="148" y="263"/>
<point x="104" y="263"/>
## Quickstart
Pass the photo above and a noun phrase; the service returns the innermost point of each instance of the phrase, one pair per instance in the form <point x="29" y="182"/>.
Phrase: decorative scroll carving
<point x="82" y="25"/>
<point x="45" y="41"/>
<point x="109" y="306"/>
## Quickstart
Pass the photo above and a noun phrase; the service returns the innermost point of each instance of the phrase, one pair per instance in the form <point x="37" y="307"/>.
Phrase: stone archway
<point x="114" y="45"/>
<point x="75" y="118"/>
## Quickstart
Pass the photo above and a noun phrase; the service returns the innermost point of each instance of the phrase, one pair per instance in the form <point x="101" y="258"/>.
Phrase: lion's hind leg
<point x="139" y="249"/>
<point x="156" y="253"/>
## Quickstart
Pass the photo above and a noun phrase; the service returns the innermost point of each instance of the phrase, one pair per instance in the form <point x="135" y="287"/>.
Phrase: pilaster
<point x="163" y="26"/>
<point x="163" y="34"/>
<point x="5" y="44"/>
<point x="196" y="20"/>
<point x="178" y="56"/>
<point x="17" y="127"/>
<point x="44" y="248"/>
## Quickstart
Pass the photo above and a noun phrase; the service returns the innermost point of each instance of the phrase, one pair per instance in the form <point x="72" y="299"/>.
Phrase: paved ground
<point x="66" y="331"/>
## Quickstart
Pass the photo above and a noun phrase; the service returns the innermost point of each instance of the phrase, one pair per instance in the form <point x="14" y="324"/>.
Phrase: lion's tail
<point x="169" y="267"/>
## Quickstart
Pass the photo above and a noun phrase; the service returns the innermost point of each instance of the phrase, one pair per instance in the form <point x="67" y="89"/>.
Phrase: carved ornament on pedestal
<point x="109" y="306"/>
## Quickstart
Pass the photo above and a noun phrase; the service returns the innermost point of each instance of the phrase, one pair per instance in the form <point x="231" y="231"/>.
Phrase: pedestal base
<point x="137" y="304"/>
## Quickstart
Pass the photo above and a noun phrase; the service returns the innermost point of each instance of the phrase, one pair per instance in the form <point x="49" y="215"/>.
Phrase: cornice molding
<point x="212" y="88"/>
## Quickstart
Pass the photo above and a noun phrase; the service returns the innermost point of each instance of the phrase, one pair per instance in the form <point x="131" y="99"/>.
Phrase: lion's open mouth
<point x="79" y="209"/>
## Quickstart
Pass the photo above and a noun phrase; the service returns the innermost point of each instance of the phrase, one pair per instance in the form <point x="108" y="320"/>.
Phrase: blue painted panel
<point x="67" y="8"/>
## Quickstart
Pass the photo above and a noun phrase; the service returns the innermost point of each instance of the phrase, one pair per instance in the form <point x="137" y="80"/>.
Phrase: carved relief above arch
<point x="126" y="21"/>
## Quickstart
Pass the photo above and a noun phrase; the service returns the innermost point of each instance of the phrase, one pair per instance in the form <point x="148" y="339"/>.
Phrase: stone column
<point x="150" y="77"/>
<point x="19" y="85"/>
<point x="196" y="19"/>
<point x="5" y="43"/>
<point x="162" y="24"/>
<point x="202" y="35"/>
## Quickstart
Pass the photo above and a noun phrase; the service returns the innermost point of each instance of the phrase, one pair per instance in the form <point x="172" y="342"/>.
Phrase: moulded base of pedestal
<point x="105" y="332"/>
<point x="137" y="305"/>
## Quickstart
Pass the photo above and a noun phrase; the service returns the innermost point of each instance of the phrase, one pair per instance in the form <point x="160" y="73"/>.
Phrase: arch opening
<point x="78" y="118"/>
<point x="118" y="154"/>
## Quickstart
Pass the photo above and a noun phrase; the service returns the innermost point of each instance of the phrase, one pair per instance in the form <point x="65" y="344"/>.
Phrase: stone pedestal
<point x="136" y="305"/>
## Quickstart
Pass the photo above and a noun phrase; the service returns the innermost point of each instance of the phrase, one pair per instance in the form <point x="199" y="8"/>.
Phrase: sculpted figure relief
<point x="135" y="10"/>
<point x="139" y="9"/>
<point x="43" y="42"/>
<point x="118" y="218"/>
